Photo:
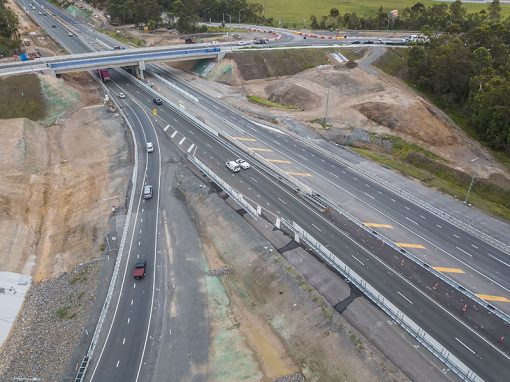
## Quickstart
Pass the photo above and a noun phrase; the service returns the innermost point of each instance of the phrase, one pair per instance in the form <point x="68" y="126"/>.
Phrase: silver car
<point x="147" y="192"/>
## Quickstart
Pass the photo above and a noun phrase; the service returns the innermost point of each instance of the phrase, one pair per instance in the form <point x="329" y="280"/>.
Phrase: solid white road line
<point x="405" y="298"/>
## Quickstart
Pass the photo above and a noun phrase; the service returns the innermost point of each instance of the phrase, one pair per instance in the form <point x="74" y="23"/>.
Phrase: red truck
<point x="104" y="74"/>
<point x="139" y="271"/>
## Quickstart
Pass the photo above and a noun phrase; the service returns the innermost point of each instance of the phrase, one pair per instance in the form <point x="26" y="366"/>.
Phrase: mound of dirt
<point x="409" y="121"/>
<point x="289" y="93"/>
<point x="263" y="64"/>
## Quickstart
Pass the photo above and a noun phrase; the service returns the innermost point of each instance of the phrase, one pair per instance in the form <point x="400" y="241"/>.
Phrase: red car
<point x="139" y="271"/>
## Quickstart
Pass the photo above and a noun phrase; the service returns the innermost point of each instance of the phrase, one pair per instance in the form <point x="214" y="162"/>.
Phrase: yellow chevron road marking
<point x="488" y="297"/>
<point x="448" y="270"/>
<point x="378" y="225"/>
<point x="410" y="245"/>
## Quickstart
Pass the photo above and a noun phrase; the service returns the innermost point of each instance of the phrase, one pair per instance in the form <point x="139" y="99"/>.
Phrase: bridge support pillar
<point x="141" y="68"/>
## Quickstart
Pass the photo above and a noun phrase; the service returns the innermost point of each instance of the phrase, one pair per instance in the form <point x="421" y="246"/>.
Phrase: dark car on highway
<point x="157" y="101"/>
<point x="139" y="271"/>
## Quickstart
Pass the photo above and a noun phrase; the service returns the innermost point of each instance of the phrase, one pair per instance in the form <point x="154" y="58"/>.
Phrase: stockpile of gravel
<point x="296" y="377"/>
<point x="49" y="326"/>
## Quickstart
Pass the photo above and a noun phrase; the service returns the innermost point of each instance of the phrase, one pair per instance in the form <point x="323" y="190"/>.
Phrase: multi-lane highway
<point x="325" y="174"/>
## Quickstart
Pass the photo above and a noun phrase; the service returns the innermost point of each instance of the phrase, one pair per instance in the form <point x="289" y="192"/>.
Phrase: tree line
<point x="470" y="69"/>
<point x="438" y="17"/>
<point x="9" y="36"/>
<point x="185" y="15"/>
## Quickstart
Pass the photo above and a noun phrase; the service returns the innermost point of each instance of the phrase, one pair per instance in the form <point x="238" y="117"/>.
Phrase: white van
<point x="233" y="166"/>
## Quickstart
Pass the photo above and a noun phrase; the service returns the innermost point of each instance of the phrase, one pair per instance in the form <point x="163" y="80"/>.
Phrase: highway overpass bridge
<point x="136" y="58"/>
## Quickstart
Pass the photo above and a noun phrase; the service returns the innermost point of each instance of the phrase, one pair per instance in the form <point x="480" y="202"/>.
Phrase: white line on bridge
<point x="173" y="134"/>
<point x="182" y="140"/>
<point x="191" y="147"/>
<point x="166" y="127"/>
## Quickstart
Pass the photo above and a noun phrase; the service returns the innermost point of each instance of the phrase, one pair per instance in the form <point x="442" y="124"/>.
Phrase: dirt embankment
<point x="59" y="184"/>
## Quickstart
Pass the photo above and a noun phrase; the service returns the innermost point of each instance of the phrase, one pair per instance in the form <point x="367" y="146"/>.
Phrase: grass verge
<point x="291" y="13"/>
<point x="393" y="61"/>
<point x="415" y="162"/>
<point x="136" y="42"/>
<point x="21" y="97"/>
<point x="265" y="102"/>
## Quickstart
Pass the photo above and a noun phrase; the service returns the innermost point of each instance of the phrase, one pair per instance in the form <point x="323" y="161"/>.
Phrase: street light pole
<point x="230" y="19"/>
<point x="239" y="19"/>
<point x="327" y="100"/>
<point x="469" y="189"/>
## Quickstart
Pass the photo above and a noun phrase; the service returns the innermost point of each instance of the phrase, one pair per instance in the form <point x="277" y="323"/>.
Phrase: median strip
<point x="410" y="245"/>
<point x="261" y="149"/>
<point x="278" y="161"/>
<point x="448" y="270"/>
<point x="378" y="225"/>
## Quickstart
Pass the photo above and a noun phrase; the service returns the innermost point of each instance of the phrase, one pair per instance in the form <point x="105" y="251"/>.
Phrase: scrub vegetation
<point x="21" y="97"/>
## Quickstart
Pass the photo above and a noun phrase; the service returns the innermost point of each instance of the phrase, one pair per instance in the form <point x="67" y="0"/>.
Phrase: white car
<point x="70" y="34"/>
<point x="241" y="43"/>
<point x="122" y="95"/>
<point x="150" y="147"/>
<point x="233" y="166"/>
<point x="244" y="165"/>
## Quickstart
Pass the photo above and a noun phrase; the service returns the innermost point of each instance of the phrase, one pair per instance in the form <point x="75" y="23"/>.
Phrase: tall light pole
<point x="471" y="183"/>
<point x="239" y="19"/>
<point x="305" y="22"/>
<point x="327" y="100"/>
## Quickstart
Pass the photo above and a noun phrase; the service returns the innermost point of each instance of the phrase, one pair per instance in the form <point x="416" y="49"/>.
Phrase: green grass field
<point x="20" y="97"/>
<point x="294" y="11"/>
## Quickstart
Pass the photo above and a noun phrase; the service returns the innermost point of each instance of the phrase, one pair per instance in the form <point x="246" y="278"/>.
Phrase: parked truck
<point x="103" y="74"/>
